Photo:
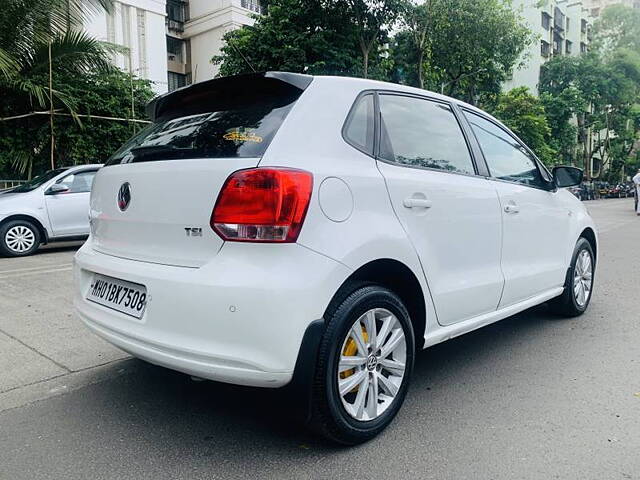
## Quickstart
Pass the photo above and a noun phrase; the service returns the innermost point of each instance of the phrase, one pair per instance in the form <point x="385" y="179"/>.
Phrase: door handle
<point x="416" y="202"/>
<point x="511" y="208"/>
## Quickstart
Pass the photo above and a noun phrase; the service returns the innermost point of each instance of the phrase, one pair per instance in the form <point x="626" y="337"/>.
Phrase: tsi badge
<point x="193" y="231"/>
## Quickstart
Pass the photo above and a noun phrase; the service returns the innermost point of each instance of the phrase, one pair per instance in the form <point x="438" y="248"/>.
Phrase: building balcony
<point x="174" y="25"/>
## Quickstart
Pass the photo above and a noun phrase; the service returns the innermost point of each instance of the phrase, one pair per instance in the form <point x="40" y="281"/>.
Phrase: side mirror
<point x="567" y="176"/>
<point x="57" y="188"/>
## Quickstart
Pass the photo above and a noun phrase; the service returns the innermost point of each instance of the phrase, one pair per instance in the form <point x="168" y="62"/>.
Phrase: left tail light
<point x="263" y="205"/>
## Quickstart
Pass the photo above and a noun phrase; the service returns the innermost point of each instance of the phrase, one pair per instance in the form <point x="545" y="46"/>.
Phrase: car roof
<point x="298" y="80"/>
<point x="366" y="84"/>
<point x="301" y="81"/>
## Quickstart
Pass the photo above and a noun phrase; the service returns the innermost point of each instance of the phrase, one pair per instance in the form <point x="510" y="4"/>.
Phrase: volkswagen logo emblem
<point x="124" y="196"/>
<point x="372" y="363"/>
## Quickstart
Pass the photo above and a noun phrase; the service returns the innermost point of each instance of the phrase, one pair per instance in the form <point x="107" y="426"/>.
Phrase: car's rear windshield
<point x="229" y="120"/>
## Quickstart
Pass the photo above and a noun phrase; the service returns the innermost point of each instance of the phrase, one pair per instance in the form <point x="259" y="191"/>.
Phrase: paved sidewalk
<point x="40" y="339"/>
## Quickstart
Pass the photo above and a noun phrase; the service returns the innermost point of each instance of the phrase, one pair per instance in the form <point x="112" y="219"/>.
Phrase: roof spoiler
<point x="157" y="107"/>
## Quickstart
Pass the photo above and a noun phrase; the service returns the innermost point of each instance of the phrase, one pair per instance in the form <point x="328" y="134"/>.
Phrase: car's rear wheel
<point x="578" y="286"/>
<point x="19" y="238"/>
<point x="364" y="366"/>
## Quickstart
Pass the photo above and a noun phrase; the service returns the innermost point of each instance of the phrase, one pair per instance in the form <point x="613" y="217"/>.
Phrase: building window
<point x="557" y="44"/>
<point x="568" y="47"/>
<point x="583" y="47"/>
<point x="176" y="15"/>
<point x="583" y="26"/>
<point x="176" y="80"/>
<point x="253" y="5"/>
<point x="558" y="20"/>
<point x="546" y="20"/>
<point x="175" y="50"/>
<point x="568" y="24"/>
<point x="544" y="49"/>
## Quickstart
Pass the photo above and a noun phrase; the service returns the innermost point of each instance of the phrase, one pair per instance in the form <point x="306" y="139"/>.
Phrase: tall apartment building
<point x="596" y="6"/>
<point x="194" y="34"/>
<point x="563" y="28"/>
<point x="139" y="26"/>
<point x="170" y="42"/>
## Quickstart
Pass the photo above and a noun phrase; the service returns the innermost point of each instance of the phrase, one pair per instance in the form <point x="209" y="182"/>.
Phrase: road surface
<point x="532" y="397"/>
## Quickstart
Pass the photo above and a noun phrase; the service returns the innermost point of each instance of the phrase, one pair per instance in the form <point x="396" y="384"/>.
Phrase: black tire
<point x="6" y="250"/>
<point x="329" y="417"/>
<point x="566" y="304"/>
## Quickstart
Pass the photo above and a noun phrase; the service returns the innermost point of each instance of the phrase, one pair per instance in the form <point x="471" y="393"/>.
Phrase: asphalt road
<point x="532" y="397"/>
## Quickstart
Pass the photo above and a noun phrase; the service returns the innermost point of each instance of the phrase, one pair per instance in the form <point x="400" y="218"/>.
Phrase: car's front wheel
<point x="364" y="366"/>
<point x="579" y="282"/>
<point x="19" y="238"/>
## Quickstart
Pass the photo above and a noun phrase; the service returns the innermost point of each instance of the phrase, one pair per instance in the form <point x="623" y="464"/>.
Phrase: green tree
<point x="617" y="27"/>
<point x="28" y="28"/>
<point x="372" y="19"/>
<point x="92" y="140"/>
<point x="309" y="36"/>
<point x="464" y="48"/>
<point x="525" y="115"/>
<point x="602" y="96"/>
<point x="418" y="20"/>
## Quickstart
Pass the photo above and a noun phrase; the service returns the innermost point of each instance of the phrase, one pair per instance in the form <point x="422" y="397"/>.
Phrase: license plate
<point x="120" y="295"/>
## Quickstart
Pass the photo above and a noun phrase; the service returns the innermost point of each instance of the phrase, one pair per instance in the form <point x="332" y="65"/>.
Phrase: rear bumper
<point x="238" y="319"/>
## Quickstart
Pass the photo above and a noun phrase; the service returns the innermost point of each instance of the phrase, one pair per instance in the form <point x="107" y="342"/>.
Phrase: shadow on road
<point x="59" y="247"/>
<point x="167" y="408"/>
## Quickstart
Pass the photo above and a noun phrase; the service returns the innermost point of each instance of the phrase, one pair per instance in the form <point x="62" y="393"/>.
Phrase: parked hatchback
<point x="51" y="207"/>
<point x="280" y="229"/>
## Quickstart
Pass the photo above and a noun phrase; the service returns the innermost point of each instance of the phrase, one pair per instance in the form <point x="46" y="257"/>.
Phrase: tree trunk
<point x="365" y="63"/>
<point x="420" y="74"/>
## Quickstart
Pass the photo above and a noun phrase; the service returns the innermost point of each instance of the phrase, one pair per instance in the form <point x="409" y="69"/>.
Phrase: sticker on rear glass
<point x="242" y="135"/>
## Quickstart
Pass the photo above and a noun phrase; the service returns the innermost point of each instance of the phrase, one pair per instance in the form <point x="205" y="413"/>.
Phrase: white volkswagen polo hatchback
<point x="280" y="229"/>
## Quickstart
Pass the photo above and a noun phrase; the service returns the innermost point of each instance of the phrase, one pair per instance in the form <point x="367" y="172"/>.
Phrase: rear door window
<point x="228" y="121"/>
<point x="417" y="132"/>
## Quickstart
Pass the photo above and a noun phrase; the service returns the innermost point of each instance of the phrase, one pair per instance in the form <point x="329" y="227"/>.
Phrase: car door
<point x="69" y="210"/>
<point x="536" y="223"/>
<point x="451" y="214"/>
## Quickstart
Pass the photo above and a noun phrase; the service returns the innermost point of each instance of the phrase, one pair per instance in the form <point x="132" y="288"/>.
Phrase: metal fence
<point x="5" y="184"/>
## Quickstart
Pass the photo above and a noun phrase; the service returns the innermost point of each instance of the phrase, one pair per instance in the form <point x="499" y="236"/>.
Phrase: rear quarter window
<point x="359" y="127"/>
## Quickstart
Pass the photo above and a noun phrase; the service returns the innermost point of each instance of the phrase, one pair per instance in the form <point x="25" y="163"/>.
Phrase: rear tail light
<point x="262" y="205"/>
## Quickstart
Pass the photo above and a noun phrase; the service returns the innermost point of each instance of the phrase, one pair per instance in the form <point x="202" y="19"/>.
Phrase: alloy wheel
<point x="582" y="278"/>
<point x="372" y="364"/>
<point x="20" y="239"/>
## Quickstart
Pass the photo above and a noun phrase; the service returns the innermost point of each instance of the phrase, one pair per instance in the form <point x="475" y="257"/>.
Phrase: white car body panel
<point x="238" y="319"/>
<point x="534" y="229"/>
<point x="465" y="221"/>
<point x="160" y="210"/>
<point x="59" y="215"/>
<point x="237" y="312"/>
<point x="68" y="214"/>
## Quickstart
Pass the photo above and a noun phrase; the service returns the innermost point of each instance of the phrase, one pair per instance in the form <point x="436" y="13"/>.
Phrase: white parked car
<point x="280" y="229"/>
<point x="51" y="207"/>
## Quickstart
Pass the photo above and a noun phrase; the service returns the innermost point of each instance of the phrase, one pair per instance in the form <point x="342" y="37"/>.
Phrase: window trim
<point x="351" y="114"/>
<point x="550" y="187"/>
<point x="432" y="99"/>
